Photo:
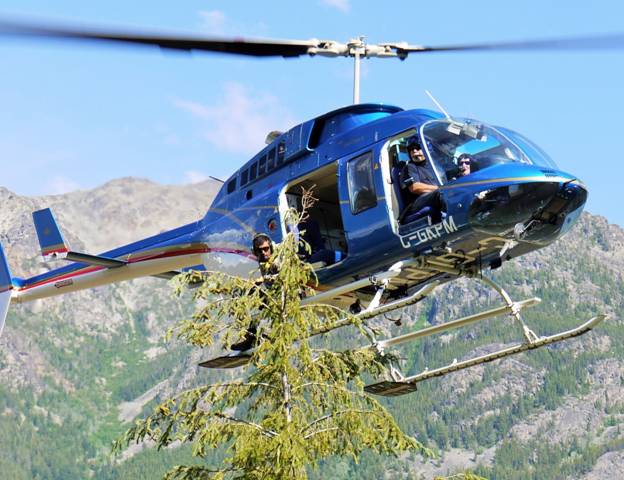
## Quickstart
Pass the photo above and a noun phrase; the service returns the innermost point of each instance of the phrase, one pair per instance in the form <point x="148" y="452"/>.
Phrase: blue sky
<point x="75" y="117"/>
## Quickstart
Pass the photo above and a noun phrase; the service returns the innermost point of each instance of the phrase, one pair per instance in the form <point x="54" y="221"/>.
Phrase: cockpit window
<point x="448" y="141"/>
<point x="538" y="156"/>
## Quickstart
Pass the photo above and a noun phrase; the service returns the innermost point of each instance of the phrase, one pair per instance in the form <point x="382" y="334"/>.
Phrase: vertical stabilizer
<point x="5" y="288"/>
<point x="51" y="239"/>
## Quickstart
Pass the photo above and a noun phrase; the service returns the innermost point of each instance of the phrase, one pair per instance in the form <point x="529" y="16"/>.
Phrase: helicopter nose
<point x="561" y="213"/>
<point x="535" y="211"/>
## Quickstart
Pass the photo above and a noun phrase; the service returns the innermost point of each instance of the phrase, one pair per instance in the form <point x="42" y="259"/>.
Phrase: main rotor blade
<point x="236" y="46"/>
<point x="596" y="42"/>
<point x="293" y="48"/>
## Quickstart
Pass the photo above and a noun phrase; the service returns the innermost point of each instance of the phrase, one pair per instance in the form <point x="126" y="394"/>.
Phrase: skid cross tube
<point x="415" y="297"/>
<point x="377" y="279"/>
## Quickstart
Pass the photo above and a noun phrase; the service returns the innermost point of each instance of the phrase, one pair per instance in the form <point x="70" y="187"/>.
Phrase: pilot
<point x="463" y="163"/>
<point x="418" y="183"/>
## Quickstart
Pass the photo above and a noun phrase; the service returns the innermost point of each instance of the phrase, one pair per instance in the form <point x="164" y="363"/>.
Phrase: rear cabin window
<point x="231" y="186"/>
<point x="253" y="171"/>
<point x="281" y="150"/>
<point x="362" y="194"/>
<point x="271" y="160"/>
<point x="244" y="177"/>
<point x="262" y="166"/>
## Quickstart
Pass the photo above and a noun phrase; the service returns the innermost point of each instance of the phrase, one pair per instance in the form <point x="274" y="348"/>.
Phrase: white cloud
<point x="241" y="119"/>
<point x="342" y="5"/>
<point x="58" y="185"/>
<point x="193" y="176"/>
<point x="213" y="21"/>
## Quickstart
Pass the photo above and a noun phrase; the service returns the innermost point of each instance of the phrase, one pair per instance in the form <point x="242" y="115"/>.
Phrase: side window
<point x="271" y="160"/>
<point x="244" y="176"/>
<point x="253" y="171"/>
<point x="281" y="150"/>
<point x="262" y="166"/>
<point x="362" y="193"/>
<point x="231" y="186"/>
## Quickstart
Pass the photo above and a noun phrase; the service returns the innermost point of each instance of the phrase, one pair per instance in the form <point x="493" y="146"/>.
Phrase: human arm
<point x="418" y="188"/>
<point x="417" y="182"/>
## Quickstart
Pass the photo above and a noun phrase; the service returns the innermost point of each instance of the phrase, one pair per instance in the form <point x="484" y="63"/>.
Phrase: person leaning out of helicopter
<point x="418" y="182"/>
<point x="262" y="248"/>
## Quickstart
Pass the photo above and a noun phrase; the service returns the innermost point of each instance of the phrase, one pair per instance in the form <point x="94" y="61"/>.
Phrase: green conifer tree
<point x="296" y="404"/>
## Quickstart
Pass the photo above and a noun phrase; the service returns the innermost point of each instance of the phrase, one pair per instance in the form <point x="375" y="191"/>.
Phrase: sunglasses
<point x="464" y="162"/>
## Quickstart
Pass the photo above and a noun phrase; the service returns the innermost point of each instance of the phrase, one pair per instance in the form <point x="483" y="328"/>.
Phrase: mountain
<point x="74" y="370"/>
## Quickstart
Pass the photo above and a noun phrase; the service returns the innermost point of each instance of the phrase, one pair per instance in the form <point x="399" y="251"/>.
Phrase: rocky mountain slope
<point x="74" y="371"/>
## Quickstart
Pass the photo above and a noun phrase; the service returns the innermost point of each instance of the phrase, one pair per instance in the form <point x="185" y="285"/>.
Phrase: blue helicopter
<point x="370" y="251"/>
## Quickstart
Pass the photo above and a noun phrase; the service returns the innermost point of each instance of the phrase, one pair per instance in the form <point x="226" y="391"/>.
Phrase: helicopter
<point x="373" y="257"/>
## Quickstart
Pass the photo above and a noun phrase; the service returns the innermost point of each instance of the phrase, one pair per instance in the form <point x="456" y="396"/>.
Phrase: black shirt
<point x="413" y="173"/>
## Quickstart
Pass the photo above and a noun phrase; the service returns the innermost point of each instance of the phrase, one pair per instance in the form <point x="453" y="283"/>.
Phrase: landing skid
<point x="403" y="385"/>
<point x="400" y="385"/>
<point x="233" y="360"/>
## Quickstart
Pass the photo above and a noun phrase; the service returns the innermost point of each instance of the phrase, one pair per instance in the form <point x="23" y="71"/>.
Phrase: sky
<point x="74" y="117"/>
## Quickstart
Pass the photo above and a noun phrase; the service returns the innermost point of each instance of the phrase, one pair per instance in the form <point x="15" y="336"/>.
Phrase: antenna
<point x="438" y="105"/>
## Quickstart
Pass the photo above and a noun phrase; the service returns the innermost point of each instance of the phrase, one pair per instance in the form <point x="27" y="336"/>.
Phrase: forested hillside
<point x="74" y="371"/>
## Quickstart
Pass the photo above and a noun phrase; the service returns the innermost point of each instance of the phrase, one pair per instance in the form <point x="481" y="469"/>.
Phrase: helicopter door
<point x="364" y="211"/>
<point x="324" y="230"/>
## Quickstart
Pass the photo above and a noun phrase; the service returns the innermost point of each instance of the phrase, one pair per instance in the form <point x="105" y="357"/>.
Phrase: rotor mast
<point x="356" y="77"/>
<point x="358" y="49"/>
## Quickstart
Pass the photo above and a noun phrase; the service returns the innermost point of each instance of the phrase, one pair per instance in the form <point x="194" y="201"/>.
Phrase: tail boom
<point x="81" y="276"/>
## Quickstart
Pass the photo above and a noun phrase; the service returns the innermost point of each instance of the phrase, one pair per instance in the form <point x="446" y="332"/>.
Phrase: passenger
<point x="464" y="162"/>
<point x="418" y="183"/>
<point x="262" y="247"/>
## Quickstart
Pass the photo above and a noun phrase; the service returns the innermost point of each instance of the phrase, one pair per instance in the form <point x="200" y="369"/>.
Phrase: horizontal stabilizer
<point x="51" y="239"/>
<point x="5" y="288"/>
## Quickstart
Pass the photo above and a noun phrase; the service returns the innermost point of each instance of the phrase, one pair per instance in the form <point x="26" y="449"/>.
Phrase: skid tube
<point x="400" y="385"/>
<point x="403" y="385"/>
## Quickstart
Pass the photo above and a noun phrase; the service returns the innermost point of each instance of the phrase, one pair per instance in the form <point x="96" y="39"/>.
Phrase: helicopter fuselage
<point x="514" y="201"/>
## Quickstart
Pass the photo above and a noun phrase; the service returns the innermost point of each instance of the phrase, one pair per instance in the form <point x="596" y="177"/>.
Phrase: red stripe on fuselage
<point x="143" y="258"/>
<point x="54" y="250"/>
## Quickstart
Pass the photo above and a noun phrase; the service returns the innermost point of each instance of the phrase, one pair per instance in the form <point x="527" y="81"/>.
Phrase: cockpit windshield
<point x="451" y="143"/>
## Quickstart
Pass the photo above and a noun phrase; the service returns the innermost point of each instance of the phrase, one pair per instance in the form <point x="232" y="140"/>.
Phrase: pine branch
<point x="260" y="428"/>
<point x="312" y="434"/>
<point x="333" y="387"/>
<point x="242" y="384"/>
<point x="335" y="414"/>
